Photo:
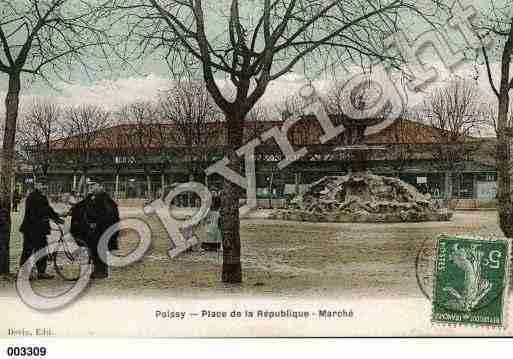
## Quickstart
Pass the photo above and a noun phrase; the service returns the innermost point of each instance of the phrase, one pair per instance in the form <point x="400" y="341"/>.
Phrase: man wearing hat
<point x="36" y="227"/>
<point x="90" y="218"/>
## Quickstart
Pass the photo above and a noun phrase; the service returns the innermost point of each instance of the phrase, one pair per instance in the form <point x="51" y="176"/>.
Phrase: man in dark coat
<point x="80" y="227"/>
<point x="36" y="227"/>
<point x="90" y="218"/>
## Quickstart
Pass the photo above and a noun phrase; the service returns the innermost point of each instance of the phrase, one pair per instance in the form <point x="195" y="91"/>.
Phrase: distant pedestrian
<point x="16" y="199"/>
<point x="214" y="232"/>
<point x="36" y="227"/>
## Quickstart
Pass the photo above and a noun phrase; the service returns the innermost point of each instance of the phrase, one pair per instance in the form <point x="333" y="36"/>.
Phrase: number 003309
<point x="26" y="352"/>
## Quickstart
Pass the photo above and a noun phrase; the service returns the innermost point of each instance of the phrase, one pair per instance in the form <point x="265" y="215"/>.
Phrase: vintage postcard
<point x="272" y="168"/>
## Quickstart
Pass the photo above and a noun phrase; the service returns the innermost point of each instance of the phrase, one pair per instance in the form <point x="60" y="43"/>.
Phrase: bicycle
<point x="70" y="256"/>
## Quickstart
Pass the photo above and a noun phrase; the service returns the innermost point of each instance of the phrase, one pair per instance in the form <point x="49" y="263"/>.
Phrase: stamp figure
<point x="470" y="281"/>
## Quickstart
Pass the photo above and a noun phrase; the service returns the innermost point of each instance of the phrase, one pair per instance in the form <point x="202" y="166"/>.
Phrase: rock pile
<point x="362" y="197"/>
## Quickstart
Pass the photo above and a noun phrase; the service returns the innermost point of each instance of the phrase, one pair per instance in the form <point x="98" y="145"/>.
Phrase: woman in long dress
<point x="214" y="233"/>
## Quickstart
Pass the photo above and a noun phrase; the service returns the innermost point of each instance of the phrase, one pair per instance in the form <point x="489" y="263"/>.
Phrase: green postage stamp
<point x="470" y="281"/>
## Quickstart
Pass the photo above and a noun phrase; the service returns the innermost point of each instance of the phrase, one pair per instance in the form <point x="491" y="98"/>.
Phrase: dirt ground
<point x="283" y="259"/>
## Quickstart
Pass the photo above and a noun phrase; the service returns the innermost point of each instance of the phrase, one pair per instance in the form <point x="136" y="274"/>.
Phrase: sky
<point x="151" y="77"/>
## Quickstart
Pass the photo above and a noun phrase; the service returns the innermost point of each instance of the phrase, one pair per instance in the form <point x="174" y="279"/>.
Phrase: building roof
<point x="306" y="131"/>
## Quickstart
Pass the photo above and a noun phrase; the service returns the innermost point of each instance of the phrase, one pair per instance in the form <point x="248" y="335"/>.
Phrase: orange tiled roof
<point x="306" y="131"/>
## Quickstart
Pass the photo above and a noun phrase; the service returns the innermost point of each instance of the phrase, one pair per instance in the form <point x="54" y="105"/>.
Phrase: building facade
<point x="416" y="153"/>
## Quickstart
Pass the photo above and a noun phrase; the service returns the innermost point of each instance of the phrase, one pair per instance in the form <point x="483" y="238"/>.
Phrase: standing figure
<point x="214" y="230"/>
<point x="16" y="199"/>
<point x="90" y="218"/>
<point x="36" y="227"/>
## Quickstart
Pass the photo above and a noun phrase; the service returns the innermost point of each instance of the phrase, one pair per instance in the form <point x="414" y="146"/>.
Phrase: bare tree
<point x="497" y="22"/>
<point x="405" y="143"/>
<point x="195" y="120"/>
<point x="37" y="38"/>
<point x="141" y="133"/>
<point x="40" y="126"/>
<point x="292" y="106"/>
<point x="84" y="137"/>
<point x="490" y="116"/>
<point x="253" y="45"/>
<point x="303" y="131"/>
<point x="456" y="113"/>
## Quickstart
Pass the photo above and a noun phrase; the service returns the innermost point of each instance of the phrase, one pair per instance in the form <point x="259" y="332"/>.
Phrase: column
<point x="297" y="182"/>
<point x="474" y="186"/>
<point x="148" y="188"/>
<point x="448" y="185"/>
<point x="117" y="186"/>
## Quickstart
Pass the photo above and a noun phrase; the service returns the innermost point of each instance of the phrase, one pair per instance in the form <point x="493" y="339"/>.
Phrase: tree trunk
<point x="83" y="181"/>
<point x="503" y="174"/>
<point x="190" y="198"/>
<point x="11" y="112"/>
<point x="232" y="269"/>
<point x="148" y="187"/>
<point x="503" y="143"/>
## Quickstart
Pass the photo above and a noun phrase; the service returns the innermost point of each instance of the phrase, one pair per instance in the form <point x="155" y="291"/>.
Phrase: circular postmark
<point x="424" y="267"/>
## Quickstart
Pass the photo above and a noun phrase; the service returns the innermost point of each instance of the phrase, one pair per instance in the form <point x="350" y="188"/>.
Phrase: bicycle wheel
<point x="69" y="260"/>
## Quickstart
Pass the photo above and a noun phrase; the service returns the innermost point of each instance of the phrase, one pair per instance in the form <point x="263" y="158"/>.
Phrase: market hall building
<point x="137" y="163"/>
